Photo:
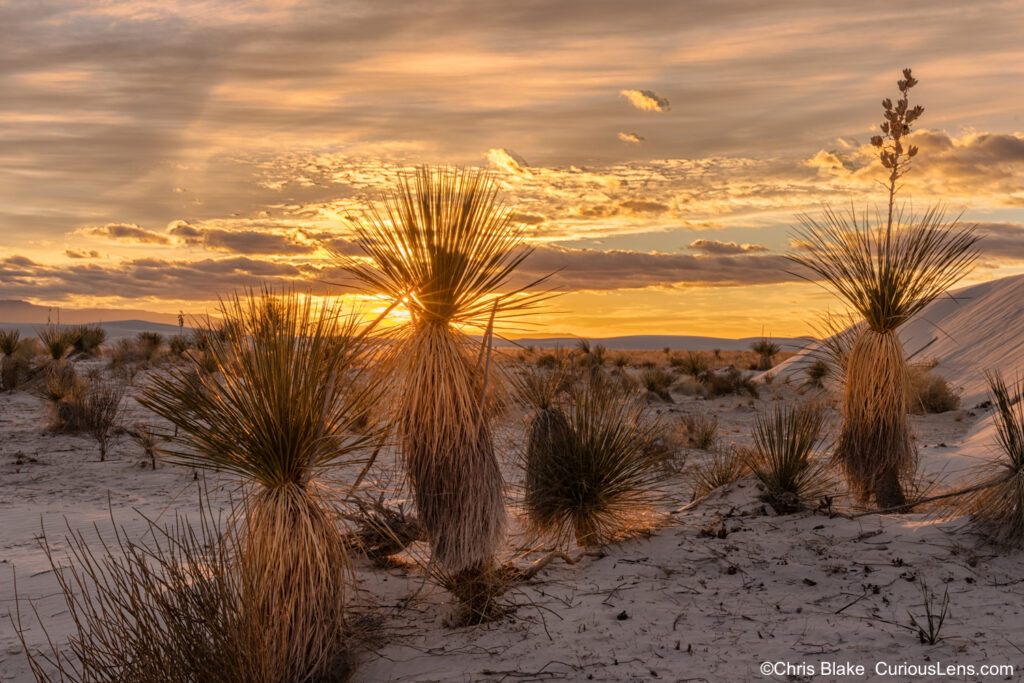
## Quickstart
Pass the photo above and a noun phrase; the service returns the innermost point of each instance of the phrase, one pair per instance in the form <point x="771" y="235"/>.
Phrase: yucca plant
<point x="9" y="340"/>
<point x="56" y="341"/>
<point x="765" y="349"/>
<point x="279" y="411"/>
<point x="87" y="339"/>
<point x="442" y="245"/>
<point x="148" y="344"/>
<point x="549" y="431"/>
<point x="658" y="383"/>
<point x="784" y="456"/>
<point x="996" y="503"/>
<point x="886" y="274"/>
<point x="601" y="474"/>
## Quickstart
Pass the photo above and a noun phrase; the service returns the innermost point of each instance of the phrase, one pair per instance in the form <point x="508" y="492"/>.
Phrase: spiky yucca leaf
<point x="725" y="466"/>
<point x="997" y="504"/>
<point x="886" y="274"/>
<point x="784" y="456"/>
<point x="56" y="340"/>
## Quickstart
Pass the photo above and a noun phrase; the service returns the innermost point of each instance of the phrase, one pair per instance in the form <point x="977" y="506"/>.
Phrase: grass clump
<point x="996" y="504"/>
<point x="886" y="275"/>
<point x="601" y="474"/>
<point x="657" y="382"/>
<point x="442" y="245"/>
<point x="279" y="412"/>
<point x="724" y="466"/>
<point x="149" y="344"/>
<point x="701" y="430"/>
<point x="693" y="363"/>
<point x="729" y="381"/>
<point x="784" y="456"/>
<point x="817" y="372"/>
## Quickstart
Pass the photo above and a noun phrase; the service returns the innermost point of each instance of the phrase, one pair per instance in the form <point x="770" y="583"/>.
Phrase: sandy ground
<point x="708" y="595"/>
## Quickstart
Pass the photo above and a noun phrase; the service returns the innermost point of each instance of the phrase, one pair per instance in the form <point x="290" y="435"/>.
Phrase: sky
<point x="157" y="154"/>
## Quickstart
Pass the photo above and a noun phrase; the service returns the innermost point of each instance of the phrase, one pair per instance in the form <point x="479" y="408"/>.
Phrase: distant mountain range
<point x="12" y="311"/>
<point x="128" y="322"/>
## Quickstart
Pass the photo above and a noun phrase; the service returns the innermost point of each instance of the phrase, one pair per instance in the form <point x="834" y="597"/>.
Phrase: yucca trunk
<point x="294" y="573"/>
<point x="875" y="449"/>
<point x="449" y="451"/>
<point x="550" y="437"/>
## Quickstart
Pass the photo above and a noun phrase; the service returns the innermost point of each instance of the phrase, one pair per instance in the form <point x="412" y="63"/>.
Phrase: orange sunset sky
<point x="157" y="154"/>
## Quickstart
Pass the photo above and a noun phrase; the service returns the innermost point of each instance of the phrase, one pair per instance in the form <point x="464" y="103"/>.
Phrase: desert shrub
<point x="886" y="274"/>
<point x="996" y="505"/>
<point x="16" y="363"/>
<point x="56" y="341"/>
<point x="658" y="383"/>
<point x="278" y="413"/>
<point x="701" y="430"/>
<point x="179" y="344"/>
<point x="87" y="339"/>
<point x="727" y="382"/>
<point x="765" y="349"/>
<point x="692" y="363"/>
<point x="604" y="474"/>
<point x="125" y="360"/>
<point x="97" y="408"/>
<point x="784" y="456"/>
<point x="149" y="344"/>
<point x="816" y="373"/>
<point x="930" y="392"/>
<point x="724" y="466"/>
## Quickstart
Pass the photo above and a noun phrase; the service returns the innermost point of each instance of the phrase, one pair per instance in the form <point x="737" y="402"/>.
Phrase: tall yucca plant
<point x="278" y="410"/>
<point x="442" y="244"/>
<point x="886" y="274"/>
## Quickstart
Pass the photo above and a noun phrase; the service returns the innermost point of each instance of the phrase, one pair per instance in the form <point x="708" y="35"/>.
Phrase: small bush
<point x="727" y="382"/>
<point x="931" y="393"/>
<point x="149" y="344"/>
<point x="816" y="373"/>
<point x="693" y="363"/>
<point x="603" y="475"/>
<point x="148" y="440"/>
<point x="179" y="344"/>
<point x="701" y="430"/>
<point x="658" y="382"/>
<point x="723" y="467"/>
<point x="60" y="387"/>
<point x="784" y="456"/>
<point x="97" y="409"/>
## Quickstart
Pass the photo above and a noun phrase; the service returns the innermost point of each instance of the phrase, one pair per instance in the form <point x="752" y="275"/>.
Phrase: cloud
<point x="508" y="161"/>
<point x="632" y="138"/>
<point x="1001" y="241"/>
<point x="716" y="247"/>
<point x="126" y="232"/>
<point x="241" y="241"/>
<point x="645" y="100"/>
<point x="75" y="253"/>
<point x="593" y="270"/>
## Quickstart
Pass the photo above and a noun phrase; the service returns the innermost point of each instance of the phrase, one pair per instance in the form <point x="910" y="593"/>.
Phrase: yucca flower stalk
<point x="280" y="409"/>
<point x="887" y="275"/>
<point x="443" y="246"/>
